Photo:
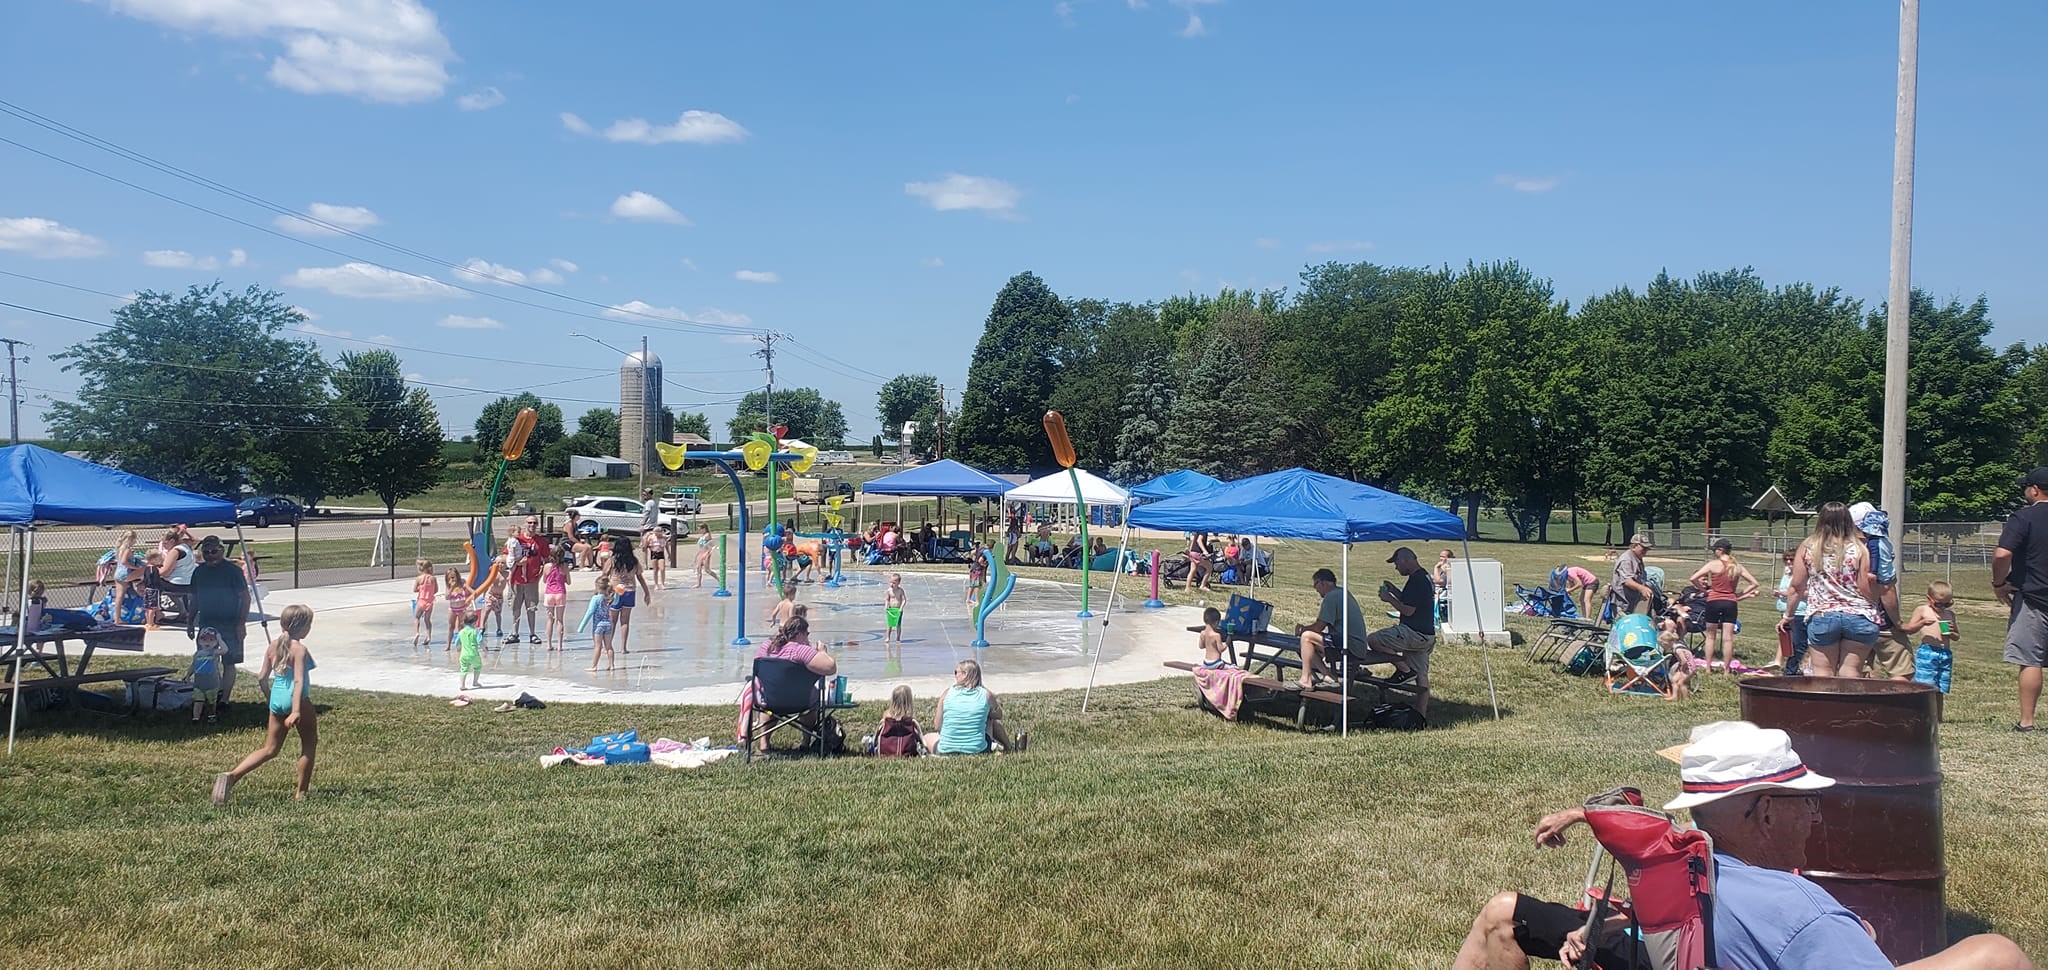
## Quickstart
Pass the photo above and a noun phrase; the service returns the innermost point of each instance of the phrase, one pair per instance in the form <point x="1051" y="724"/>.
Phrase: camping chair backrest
<point x="787" y="687"/>
<point x="1670" y="880"/>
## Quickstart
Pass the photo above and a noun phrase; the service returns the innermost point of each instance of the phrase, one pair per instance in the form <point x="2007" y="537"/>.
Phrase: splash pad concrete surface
<point x="682" y="650"/>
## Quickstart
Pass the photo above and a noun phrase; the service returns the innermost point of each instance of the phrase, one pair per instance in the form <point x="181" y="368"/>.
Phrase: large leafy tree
<point x="205" y="392"/>
<point x="690" y="422"/>
<point x="1333" y="343"/>
<point x="599" y="423"/>
<point x="388" y="436"/>
<point x="1105" y="346"/>
<point x="1147" y="410"/>
<point x="1012" y="376"/>
<point x="906" y="397"/>
<point x="806" y="412"/>
<point x="496" y="419"/>
<point x="1222" y="423"/>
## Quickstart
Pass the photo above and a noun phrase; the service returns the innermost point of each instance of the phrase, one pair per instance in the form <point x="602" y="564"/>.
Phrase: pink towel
<point x="1223" y="687"/>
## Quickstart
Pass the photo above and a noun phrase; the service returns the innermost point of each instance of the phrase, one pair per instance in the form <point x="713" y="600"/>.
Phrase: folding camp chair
<point x="790" y="695"/>
<point x="1635" y="663"/>
<point x="1670" y="877"/>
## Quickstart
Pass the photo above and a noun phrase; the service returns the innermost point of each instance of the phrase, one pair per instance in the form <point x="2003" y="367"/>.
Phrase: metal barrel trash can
<point x="1878" y="848"/>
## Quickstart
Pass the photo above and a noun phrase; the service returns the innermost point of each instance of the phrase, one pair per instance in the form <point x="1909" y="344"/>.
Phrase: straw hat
<point x="1732" y="757"/>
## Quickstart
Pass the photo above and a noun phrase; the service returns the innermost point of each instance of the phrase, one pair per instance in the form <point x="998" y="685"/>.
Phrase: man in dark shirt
<point x="1407" y="643"/>
<point x="2019" y="578"/>
<point x="220" y="599"/>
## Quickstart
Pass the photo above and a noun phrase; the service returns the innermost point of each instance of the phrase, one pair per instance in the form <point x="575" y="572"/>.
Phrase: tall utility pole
<point x="767" y="355"/>
<point x="13" y="389"/>
<point x="942" y="422"/>
<point x="1899" y="301"/>
<point x="646" y="427"/>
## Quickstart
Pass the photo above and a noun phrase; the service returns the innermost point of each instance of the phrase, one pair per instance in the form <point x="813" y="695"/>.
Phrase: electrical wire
<point x="140" y="158"/>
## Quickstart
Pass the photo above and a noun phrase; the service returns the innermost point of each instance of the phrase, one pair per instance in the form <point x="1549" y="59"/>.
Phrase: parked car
<point x="262" y="511"/>
<point x="682" y="500"/>
<point x="620" y="515"/>
<point x="889" y="459"/>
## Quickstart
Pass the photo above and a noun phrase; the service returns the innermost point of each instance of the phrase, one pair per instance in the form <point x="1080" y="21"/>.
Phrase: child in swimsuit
<point x="977" y="575"/>
<point x="655" y="544"/>
<point x="1211" y="639"/>
<point x="289" y="667"/>
<point x="494" y="597"/>
<point x="470" y="669"/>
<point x="1934" y="660"/>
<point x="459" y="595"/>
<point x="601" y="634"/>
<point x="892" y="608"/>
<point x="205" y="673"/>
<point x="554" y="594"/>
<point x="424" y="589"/>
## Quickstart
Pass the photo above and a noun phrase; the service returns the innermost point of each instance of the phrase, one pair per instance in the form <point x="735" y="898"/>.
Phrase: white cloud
<point x="237" y="257"/>
<point x="639" y="310"/>
<point x="933" y="262"/>
<point x="641" y="207"/>
<point x="689" y="264"/>
<point x="483" y="100"/>
<point x="564" y="265"/>
<point x="323" y="219"/>
<point x="367" y="282"/>
<point x="308" y="328"/>
<point x="1191" y="276"/>
<point x="1193" y="28"/>
<point x="992" y="196"/>
<point x="385" y="339"/>
<point x="416" y="377"/>
<point x="177" y="259"/>
<point x="391" y="51"/>
<point x="1528" y="183"/>
<point x="545" y="277"/>
<point x="303" y="312"/>
<point x="489" y="272"/>
<point x="1064" y="10"/>
<point x="693" y="126"/>
<point x="48" y="239"/>
<point x="1339" y="246"/>
<point x="756" y="276"/>
<point x="1135" y="4"/>
<point x="455" y="322"/>
<point x="1266" y="242"/>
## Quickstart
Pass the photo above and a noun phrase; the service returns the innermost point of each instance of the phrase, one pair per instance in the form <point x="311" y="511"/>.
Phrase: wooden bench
<point x="76" y="681"/>
<point x="1277" y="693"/>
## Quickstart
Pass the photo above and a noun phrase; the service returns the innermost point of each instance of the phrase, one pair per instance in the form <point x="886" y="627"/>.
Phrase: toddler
<point x="554" y="594"/>
<point x="494" y="596"/>
<point x="459" y="595"/>
<point x="1935" y="621"/>
<point x="977" y="575"/>
<point x="424" y="589"/>
<point x="471" y="663"/>
<point x="601" y="633"/>
<point x="892" y="609"/>
<point x="1669" y="637"/>
<point x="899" y="736"/>
<point x="1211" y="639"/>
<point x="204" y="673"/>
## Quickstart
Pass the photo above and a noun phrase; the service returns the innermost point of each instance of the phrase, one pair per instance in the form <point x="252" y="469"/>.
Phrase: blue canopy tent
<point x="1173" y="485"/>
<point x="39" y="487"/>
<point x="1301" y="504"/>
<point x="940" y="478"/>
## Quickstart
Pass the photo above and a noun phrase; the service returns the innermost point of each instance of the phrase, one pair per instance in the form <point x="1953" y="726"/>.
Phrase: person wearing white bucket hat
<point x="1745" y="784"/>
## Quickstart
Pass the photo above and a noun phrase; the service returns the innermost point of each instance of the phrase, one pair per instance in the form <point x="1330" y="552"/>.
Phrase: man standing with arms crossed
<point x="526" y="567"/>
<point x="2019" y="578"/>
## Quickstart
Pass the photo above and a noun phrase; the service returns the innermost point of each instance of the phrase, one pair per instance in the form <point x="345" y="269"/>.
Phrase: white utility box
<point x="1477" y="606"/>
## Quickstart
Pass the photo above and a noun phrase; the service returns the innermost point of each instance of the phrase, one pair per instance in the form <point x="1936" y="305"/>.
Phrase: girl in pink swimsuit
<point x="458" y="604"/>
<point x="554" y="594"/>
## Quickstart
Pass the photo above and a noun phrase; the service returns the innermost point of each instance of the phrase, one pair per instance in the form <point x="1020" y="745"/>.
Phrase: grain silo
<point x="642" y="419"/>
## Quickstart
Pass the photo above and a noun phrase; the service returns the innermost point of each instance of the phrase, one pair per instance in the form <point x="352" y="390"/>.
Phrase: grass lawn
<point x="1144" y="833"/>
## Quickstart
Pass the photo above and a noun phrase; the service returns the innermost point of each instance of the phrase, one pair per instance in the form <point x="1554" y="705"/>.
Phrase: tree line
<point x="1476" y="385"/>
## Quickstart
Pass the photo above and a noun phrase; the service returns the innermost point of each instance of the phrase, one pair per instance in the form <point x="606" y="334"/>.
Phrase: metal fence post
<point x="295" y="555"/>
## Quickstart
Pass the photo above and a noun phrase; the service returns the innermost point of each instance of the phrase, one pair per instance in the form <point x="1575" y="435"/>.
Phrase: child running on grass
<point x="1934" y="660"/>
<point x="204" y="673"/>
<point x="424" y="589"/>
<point x="459" y="597"/>
<point x="470" y="669"/>
<point x="601" y="633"/>
<point x="892" y="608"/>
<point x="288" y="665"/>
<point x="554" y="595"/>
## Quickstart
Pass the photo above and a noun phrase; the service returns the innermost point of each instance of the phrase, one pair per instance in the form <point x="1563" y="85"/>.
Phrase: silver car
<point x="620" y="515"/>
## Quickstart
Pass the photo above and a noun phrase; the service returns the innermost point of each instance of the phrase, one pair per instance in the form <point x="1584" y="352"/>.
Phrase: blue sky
<point x="864" y="177"/>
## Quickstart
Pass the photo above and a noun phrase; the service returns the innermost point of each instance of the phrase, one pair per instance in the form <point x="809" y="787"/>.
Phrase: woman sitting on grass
<point x="968" y="717"/>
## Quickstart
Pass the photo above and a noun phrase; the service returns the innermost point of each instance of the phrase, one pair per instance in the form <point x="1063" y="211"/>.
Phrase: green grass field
<point x="1143" y="833"/>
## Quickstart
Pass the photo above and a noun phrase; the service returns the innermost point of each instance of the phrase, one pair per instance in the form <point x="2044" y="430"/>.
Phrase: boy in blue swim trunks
<point x="1934" y="660"/>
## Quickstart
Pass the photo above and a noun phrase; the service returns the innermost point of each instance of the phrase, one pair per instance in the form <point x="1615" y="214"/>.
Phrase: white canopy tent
<point x="1058" y="489"/>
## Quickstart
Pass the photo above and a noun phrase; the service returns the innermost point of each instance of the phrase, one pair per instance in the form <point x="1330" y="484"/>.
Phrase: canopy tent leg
<point x="1122" y="545"/>
<point x="249" y="576"/>
<point x="1344" y="646"/>
<point x="1485" y="652"/>
<point x="28" y="539"/>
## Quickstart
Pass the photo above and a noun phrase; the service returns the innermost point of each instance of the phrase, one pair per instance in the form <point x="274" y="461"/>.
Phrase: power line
<point x="823" y="353"/>
<point x="140" y="158"/>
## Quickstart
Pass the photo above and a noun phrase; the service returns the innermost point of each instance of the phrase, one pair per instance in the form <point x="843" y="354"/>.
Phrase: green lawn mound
<point x="1144" y="833"/>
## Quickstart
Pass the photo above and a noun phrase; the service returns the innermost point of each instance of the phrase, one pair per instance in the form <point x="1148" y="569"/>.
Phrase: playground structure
<point x="480" y="545"/>
<point x="761" y="452"/>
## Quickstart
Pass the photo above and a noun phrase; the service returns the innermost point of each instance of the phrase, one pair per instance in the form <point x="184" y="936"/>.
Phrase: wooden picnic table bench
<point x="76" y="681"/>
<point x="1284" y="653"/>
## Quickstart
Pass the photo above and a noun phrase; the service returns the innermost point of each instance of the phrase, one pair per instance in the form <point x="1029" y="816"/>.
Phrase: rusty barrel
<point x="1878" y="847"/>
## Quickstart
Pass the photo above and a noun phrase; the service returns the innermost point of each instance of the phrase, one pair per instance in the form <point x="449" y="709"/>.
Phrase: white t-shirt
<point x="181" y="574"/>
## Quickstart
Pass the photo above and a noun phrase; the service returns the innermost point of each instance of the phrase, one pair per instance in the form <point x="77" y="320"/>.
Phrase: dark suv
<point x="260" y="512"/>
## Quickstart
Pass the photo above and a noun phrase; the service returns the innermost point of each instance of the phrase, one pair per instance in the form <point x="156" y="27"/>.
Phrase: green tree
<point x="806" y="412"/>
<point x="203" y="391"/>
<point x="1220" y="425"/>
<point x="1106" y="344"/>
<point x="388" y="436"/>
<point x="1147" y="410"/>
<point x="1011" y="378"/>
<point x="906" y="397"/>
<point x="1332" y="342"/>
<point x="600" y="423"/>
<point x="691" y="422"/>
<point x="554" y="461"/>
<point x="496" y="419"/>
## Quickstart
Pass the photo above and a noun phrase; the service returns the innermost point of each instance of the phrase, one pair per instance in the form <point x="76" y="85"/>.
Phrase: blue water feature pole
<point x="724" y="460"/>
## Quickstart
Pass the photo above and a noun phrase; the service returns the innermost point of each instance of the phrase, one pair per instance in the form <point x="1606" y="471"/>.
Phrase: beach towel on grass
<point x="1222" y="687"/>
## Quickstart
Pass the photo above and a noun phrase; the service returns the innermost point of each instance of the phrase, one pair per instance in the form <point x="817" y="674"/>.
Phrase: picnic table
<point x="55" y="662"/>
<point x="1272" y="676"/>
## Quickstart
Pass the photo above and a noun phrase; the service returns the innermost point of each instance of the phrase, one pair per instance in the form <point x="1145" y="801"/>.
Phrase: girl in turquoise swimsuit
<point x="289" y="666"/>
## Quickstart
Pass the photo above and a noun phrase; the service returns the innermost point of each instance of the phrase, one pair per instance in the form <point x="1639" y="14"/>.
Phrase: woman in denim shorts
<point x="1831" y="576"/>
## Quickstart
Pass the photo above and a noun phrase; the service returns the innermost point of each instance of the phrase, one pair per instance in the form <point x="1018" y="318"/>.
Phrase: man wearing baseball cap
<point x="1745" y="786"/>
<point x="2019" y="578"/>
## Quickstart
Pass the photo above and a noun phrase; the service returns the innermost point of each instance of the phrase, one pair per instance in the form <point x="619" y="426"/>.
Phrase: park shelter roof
<point x="1773" y="500"/>
<point x="1172" y="484"/>
<point x="1057" y="489"/>
<point x="943" y="477"/>
<point x="40" y="486"/>
<point x="1301" y="504"/>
